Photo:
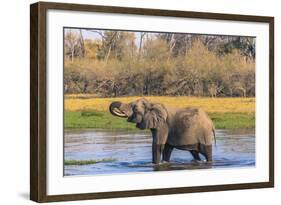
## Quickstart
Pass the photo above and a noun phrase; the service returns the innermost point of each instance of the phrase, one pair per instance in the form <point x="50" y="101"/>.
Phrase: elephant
<point x="188" y="128"/>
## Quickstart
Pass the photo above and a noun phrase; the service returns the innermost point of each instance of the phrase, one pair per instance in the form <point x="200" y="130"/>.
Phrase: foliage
<point x="159" y="64"/>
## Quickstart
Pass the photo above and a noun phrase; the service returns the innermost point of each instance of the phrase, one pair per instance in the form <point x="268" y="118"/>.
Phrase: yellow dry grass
<point x="211" y="105"/>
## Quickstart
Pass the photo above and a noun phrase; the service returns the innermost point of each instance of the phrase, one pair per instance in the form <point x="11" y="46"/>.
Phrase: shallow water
<point x="131" y="152"/>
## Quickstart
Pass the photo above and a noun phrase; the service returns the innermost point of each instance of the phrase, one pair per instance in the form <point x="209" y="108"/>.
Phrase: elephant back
<point x="191" y="126"/>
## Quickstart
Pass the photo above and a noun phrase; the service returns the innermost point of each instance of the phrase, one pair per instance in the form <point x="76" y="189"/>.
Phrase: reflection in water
<point x="131" y="152"/>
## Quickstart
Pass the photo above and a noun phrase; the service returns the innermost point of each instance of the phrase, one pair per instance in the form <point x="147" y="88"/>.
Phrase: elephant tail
<point x="213" y="129"/>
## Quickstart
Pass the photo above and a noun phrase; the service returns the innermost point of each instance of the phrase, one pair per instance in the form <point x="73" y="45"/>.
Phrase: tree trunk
<point x="72" y="54"/>
<point x="108" y="54"/>
<point x="82" y="44"/>
<point x="140" y="44"/>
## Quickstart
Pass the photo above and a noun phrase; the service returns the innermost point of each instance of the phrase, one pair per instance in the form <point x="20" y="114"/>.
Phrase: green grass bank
<point x="104" y="120"/>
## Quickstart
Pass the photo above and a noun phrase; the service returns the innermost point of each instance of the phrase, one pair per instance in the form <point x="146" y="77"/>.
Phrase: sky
<point x="87" y="34"/>
<point x="92" y="35"/>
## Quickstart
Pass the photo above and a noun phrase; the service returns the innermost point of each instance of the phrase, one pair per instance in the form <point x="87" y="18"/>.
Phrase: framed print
<point x="134" y="102"/>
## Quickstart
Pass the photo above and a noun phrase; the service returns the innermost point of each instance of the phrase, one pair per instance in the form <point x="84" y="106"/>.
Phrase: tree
<point x="74" y="44"/>
<point x="246" y="45"/>
<point x="71" y="44"/>
<point x="156" y="48"/>
<point x="125" y="46"/>
<point x="81" y="43"/>
<point x="116" y="44"/>
<point x="142" y="35"/>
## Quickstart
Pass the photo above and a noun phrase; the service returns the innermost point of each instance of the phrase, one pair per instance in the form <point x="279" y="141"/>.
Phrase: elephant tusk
<point x="117" y="112"/>
<point x="114" y="109"/>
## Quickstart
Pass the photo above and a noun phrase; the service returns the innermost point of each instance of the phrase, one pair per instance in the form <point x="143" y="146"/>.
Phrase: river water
<point x="125" y="151"/>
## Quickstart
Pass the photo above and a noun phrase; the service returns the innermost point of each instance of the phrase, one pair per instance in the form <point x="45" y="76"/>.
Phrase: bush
<point x="155" y="71"/>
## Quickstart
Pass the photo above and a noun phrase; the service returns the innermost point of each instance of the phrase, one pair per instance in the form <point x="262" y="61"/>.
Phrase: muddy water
<point x="131" y="152"/>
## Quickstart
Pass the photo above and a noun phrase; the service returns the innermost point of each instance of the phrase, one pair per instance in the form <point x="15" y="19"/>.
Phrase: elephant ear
<point x="155" y="116"/>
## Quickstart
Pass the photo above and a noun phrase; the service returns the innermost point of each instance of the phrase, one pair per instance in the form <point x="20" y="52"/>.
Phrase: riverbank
<point x="88" y="111"/>
<point x="104" y="120"/>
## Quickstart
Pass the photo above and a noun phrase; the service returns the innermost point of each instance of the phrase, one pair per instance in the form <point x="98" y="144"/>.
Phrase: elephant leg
<point x="167" y="152"/>
<point x="209" y="152"/>
<point x="206" y="150"/>
<point x="157" y="150"/>
<point x="195" y="154"/>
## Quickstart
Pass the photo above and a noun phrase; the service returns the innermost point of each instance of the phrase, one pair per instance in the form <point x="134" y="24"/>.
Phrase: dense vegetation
<point x="165" y="64"/>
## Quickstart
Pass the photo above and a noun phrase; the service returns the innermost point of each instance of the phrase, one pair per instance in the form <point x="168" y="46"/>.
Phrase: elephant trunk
<point x="114" y="109"/>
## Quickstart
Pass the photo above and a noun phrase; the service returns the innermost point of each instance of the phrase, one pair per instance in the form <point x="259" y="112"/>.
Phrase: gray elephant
<point x="183" y="128"/>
